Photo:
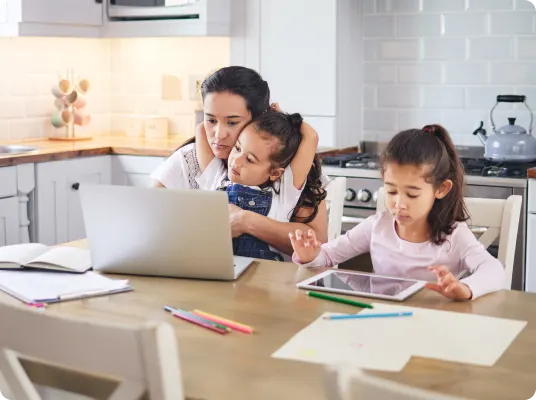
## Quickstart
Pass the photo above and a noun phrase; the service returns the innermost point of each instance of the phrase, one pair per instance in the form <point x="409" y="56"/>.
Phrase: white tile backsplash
<point x="466" y="24"/>
<point x="378" y="26"/>
<point x="423" y="73"/>
<point x="485" y="5"/>
<point x="483" y="48"/>
<point x="409" y="49"/>
<point x="444" y="48"/>
<point x="125" y="78"/>
<point x="512" y="23"/>
<point x="491" y="48"/>
<point x="443" y="5"/>
<point x="419" y="25"/>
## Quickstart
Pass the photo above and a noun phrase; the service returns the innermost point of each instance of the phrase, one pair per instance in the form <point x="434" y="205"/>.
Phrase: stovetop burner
<point x="353" y="160"/>
<point x="483" y="167"/>
<point x="472" y="166"/>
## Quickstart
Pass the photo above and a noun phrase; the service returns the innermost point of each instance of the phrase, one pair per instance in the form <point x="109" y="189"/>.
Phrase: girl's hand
<point x="275" y="107"/>
<point x="448" y="285"/>
<point x="306" y="247"/>
<point x="237" y="220"/>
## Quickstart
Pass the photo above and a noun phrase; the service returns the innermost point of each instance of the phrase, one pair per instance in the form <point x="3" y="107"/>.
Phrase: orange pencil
<point x="236" y="326"/>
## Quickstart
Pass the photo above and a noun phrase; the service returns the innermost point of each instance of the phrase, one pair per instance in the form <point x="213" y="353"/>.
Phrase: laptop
<point x="160" y="232"/>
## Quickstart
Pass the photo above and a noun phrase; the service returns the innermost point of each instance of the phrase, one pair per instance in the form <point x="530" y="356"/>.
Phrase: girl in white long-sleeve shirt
<point x="423" y="235"/>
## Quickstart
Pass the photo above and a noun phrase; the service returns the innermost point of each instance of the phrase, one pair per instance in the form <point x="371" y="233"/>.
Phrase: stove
<point x="472" y="166"/>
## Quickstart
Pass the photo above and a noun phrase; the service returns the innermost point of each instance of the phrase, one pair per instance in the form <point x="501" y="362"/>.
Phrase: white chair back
<point x="498" y="219"/>
<point x="145" y="358"/>
<point x="336" y="192"/>
<point x="354" y="384"/>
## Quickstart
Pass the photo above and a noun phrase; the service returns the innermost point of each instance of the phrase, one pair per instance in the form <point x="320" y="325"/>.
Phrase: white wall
<point x="125" y="78"/>
<point x="445" y="61"/>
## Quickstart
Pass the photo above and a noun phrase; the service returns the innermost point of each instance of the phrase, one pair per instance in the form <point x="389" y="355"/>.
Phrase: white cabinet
<point x="134" y="170"/>
<point x="16" y="186"/>
<point x="59" y="214"/>
<point x="530" y="264"/>
<point x="199" y="18"/>
<point x="309" y="53"/>
<point x="77" y="18"/>
<point x="9" y="221"/>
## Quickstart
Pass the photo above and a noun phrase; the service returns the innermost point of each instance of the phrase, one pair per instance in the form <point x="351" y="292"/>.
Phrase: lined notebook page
<point x="33" y="286"/>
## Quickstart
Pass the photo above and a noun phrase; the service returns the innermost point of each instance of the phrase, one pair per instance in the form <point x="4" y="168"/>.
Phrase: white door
<point x="134" y="170"/>
<point x="92" y="170"/>
<point x="70" y="12"/>
<point x="9" y="221"/>
<point x="51" y="202"/>
<point x="298" y="41"/>
<point x="530" y="262"/>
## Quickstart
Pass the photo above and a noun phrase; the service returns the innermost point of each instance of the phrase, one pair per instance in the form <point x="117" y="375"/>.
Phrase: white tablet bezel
<point x="418" y="285"/>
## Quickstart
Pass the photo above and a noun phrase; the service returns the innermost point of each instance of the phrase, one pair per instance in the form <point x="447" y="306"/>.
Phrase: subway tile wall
<point x="445" y="61"/>
<point x="125" y="78"/>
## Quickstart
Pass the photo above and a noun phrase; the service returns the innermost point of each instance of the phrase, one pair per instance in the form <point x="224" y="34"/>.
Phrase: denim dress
<point x="260" y="202"/>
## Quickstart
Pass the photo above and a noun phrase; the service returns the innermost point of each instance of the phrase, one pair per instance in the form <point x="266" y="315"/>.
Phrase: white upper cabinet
<point x="115" y="18"/>
<point x="309" y="52"/>
<point x="76" y="18"/>
<point x="137" y="18"/>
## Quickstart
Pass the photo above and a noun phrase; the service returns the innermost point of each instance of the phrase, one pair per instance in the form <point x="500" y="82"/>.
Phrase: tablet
<point x="361" y="284"/>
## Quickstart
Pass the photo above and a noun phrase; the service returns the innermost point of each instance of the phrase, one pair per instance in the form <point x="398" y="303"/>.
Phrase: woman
<point x="233" y="96"/>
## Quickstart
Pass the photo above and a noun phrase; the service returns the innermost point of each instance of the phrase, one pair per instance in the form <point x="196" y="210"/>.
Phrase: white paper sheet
<point x="344" y="342"/>
<point x="31" y="286"/>
<point x="449" y="336"/>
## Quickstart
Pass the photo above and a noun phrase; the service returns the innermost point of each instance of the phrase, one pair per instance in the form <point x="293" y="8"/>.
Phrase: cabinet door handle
<point x="75" y="186"/>
<point x="98" y="1"/>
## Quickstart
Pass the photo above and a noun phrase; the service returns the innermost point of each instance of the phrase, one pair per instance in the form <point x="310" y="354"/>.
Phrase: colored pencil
<point x="339" y="300"/>
<point x="235" y="326"/>
<point x="171" y="309"/>
<point x="362" y="316"/>
<point x="190" y="318"/>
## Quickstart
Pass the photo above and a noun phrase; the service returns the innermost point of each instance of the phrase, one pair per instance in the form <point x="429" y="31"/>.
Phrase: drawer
<point x="8" y="182"/>
<point x="531" y="201"/>
<point x="530" y="262"/>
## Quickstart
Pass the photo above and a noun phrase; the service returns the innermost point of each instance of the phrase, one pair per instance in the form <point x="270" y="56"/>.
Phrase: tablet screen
<point x="363" y="283"/>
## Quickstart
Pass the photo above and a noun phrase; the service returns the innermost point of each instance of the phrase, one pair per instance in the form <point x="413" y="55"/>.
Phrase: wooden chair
<point x="500" y="220"/>
<point x="143" y="358"/>
<point x="353" y="384"/>
<point x="336" y="192"/>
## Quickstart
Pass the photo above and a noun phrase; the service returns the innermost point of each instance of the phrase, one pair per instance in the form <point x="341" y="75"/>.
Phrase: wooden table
<point x="239" y="366"/>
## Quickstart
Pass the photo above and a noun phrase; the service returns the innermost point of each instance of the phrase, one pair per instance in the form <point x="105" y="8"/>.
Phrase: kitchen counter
<point x="531" y="173"/>
<point x="50" y="150"/>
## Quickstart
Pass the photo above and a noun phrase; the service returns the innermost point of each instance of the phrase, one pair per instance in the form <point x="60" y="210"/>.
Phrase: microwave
<point x="141" y="10"/>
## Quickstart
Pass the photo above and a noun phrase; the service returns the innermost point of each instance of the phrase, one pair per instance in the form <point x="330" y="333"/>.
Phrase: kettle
<point x="510" y="142"/>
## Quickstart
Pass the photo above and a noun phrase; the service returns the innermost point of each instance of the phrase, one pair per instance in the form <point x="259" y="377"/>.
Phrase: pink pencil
<point x="219" y="320"/>
<point x="196" y="321"/>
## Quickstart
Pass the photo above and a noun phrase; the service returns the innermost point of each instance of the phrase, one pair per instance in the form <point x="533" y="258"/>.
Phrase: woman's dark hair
<point x="286" y="129"/>
<point x="243" y="82"/>
<point x="432" y="146"/>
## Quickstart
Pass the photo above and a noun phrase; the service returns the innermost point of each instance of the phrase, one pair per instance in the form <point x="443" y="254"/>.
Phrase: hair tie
<point x="427" y="129"/>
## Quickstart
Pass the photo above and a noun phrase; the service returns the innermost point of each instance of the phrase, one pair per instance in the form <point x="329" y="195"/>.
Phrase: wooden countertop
<point x="240" y="367"/>
<point x="50" y="150"/>
<point x="531" y="173"/>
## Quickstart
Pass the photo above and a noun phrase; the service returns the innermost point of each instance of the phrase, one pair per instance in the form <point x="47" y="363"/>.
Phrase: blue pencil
<point x="361" y="316"/>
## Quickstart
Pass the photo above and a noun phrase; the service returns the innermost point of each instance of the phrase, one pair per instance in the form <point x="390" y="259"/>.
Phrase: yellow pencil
<point x="231" y="324"/>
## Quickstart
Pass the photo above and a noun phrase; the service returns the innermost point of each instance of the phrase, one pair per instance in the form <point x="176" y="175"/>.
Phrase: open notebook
<point x="40" y="256"/>
<point x="50" y="287"/>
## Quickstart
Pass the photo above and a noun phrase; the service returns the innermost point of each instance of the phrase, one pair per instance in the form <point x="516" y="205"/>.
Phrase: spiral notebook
<point x="33" y="286"/>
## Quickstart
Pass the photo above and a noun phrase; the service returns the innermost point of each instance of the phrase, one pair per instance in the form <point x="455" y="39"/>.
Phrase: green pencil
<point x="339" y="300"/>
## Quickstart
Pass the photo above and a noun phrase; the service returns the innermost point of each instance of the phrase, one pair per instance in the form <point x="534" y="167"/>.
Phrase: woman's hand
<point x="275" y="107"/>
<point x="237" y="220"/>
<point x="448" y="285"/>
<point x="306" y="247"/>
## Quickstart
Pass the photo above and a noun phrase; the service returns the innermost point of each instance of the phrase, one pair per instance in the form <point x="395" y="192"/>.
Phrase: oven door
<point x="153" y="9"/>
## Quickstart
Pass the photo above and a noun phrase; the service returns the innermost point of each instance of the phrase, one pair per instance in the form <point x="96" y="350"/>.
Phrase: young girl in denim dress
<point x="273" y="158"/>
